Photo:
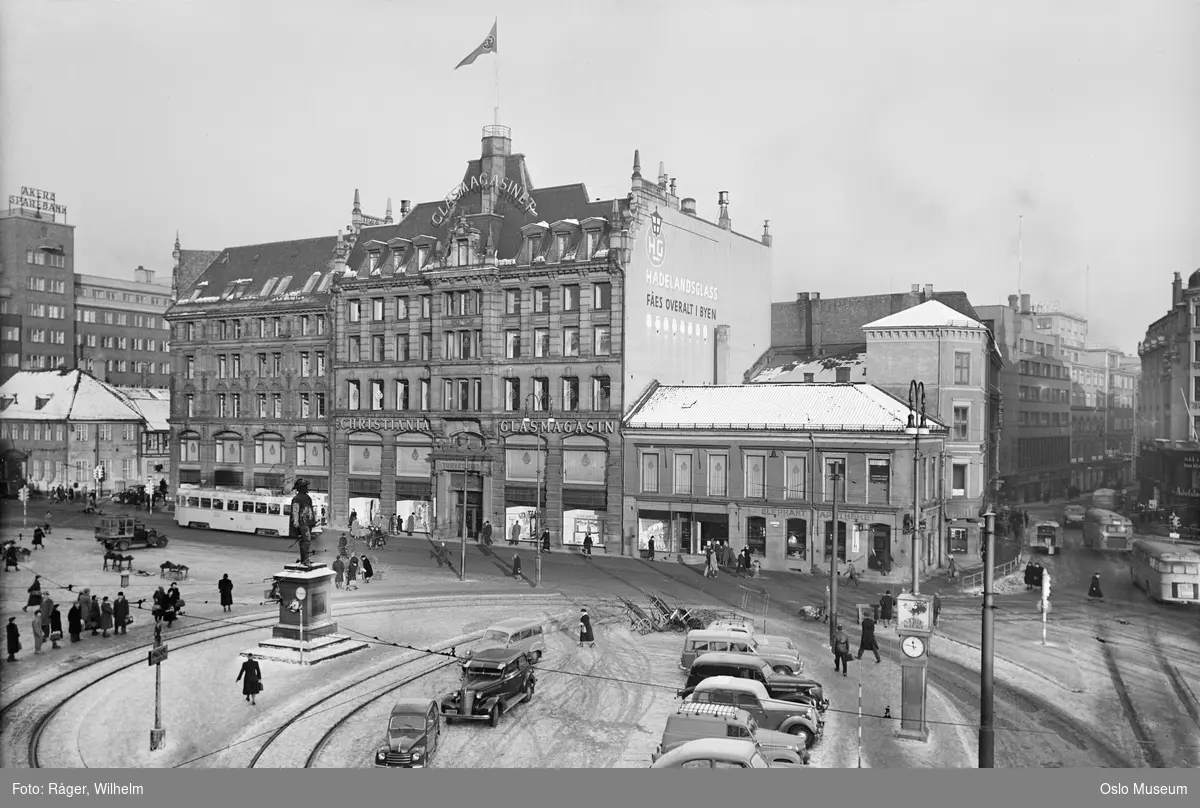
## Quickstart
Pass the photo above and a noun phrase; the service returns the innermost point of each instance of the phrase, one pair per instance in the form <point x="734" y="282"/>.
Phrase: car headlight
<point x="381" y="754"/>
<point x="417" y="754"/>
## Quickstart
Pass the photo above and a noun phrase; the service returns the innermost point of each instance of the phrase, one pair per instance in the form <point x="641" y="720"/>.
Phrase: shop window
<point x="958" y="539"/>
<point x="841" y="539"/>
<point x="756" y="535"/>
<point x="797" y="538"/>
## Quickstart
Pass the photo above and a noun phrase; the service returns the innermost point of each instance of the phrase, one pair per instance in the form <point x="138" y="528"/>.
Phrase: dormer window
<point x="535" y="247"/>
<point x="398" y="262"/>
<point x="563" y="242"/>
<point x="464" y="253"/>
<point x="5" y="401"/>
<point x="422" y="255"/>
<point x="40" y="401"/>
<point x="373" y="263"/>
<point x="590" y="239"/>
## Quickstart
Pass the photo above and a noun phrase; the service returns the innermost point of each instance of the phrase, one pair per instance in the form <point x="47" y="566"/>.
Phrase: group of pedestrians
<point x="88" y="613"/>
<point x="347" y="570"/>
<point x="1034" y="575"/>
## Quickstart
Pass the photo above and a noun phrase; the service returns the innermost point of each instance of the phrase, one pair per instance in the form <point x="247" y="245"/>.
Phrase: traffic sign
<point x="157" y="654"/>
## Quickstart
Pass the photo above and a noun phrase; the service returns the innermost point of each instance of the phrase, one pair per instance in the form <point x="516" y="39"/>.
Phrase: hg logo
<point x="655" y="246"/>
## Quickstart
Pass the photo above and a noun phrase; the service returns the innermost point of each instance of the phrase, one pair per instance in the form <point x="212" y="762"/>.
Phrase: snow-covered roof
<point x="153" y="403"/>
<point x="823" y="369"/>
<point x="63" y="395"/>
<point x="813" y="407"/>
<point x="930" y="314"/>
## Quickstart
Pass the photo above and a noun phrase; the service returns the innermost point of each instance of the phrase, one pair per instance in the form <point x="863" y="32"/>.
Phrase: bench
<point x="173" y="572"/>
<point x="118" y="562"/>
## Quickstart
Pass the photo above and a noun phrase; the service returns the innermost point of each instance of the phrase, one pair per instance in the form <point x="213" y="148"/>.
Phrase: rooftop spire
<point x="637" y="164"/>
<point x="387" y="217"/>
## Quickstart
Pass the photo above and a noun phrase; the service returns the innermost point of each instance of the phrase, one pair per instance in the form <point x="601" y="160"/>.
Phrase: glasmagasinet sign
<point x="510" y="188"/>
<point x="558" y="425"/>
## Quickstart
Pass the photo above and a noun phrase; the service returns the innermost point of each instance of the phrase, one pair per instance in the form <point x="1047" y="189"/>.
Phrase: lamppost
<point x="916" y="427"/>
<point x="833" y="573"/>
<point x="527" y="422"/>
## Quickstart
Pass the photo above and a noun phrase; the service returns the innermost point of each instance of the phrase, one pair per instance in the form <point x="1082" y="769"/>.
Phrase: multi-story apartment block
<point x="37" y="300"/>
<point x="120" y="333"/>
<point x="252" y="367"/>
<point x="1102" y="403"/>
<point x="1035" y="439"/>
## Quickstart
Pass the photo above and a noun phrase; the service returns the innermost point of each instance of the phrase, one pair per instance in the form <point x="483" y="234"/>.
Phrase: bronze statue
<point x="303" y="518"/>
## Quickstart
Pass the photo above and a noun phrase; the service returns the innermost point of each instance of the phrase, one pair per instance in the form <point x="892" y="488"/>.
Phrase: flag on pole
<point x="487" y="46"/>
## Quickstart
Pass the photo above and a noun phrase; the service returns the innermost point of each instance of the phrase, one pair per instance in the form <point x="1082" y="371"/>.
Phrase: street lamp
<point x="916" y="427"/>
<point x="837" y="475"/>
<point x="527" y="422"/>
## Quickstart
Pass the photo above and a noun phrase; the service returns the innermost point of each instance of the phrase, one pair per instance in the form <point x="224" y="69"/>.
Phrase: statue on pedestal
<point x="303" y="518"/>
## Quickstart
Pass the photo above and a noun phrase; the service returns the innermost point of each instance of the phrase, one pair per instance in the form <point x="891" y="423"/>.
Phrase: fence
<point x="975" y="579"/>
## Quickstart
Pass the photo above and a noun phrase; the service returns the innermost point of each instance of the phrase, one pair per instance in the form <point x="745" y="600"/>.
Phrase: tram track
<point x="12" y="719"/>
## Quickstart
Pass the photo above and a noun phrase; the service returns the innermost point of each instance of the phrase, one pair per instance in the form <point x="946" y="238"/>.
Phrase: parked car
<point x="414" y="729"/>
<point x="803" y="721"/>
<point x="1073" y="515"/>
<point x="802" y="689"/>
<point x="493" y="682"/>
<point x="747" y="627"/>
<point x="703" y="641"/>
<point x="703" y="720"/>
<point x="714" y="753"/>
<point x="122" y="532"/>
<point x="519" y="633"/>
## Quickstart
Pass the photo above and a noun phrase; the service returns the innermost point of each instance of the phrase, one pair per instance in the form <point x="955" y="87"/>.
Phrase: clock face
<point x="913" y="646"/>
<point x="300" y="593"/>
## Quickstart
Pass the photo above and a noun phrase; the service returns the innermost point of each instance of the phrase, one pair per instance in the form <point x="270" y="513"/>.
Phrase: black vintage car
<point x="800" y="689"/>
<point x="414" y="730"/>
<point x="493" y="682"/>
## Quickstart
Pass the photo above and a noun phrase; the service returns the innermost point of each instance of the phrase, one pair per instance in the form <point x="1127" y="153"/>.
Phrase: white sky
<point x="888" y="142"/>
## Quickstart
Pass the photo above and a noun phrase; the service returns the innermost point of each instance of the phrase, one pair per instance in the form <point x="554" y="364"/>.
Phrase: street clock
<point x="913" y="647"/>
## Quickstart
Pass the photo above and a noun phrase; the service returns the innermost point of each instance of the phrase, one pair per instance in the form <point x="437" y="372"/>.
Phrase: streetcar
<point x="238" y="510"/>
<point x="1106" y="530"/>
<point x="1105" y="498"/>
<point x="1167" y="572"/>
<point x="1046" y="535"/>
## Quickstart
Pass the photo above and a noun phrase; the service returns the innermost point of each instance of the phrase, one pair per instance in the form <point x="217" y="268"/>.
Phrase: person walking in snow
<point x="867" y="641"/>
<point x="106" y="616"/>
<point x="120" y="614"/>
<point x="38" y="638"/>
<point x="339" y="568"/>
<point x="74" y="622"/>
<point x="13" y="636"/>
<point x="225" y="587"/>
<point x="250" y="676"/>
<point x="94" y="615"/>
<point x="38" y="535"/>
<point x="352" y="572"/>
<point x="852" y="573"/>
<point x="56" y="631"/>
<point x="368" y="571"/>
<point x="885" y="607"/>
<point x="1094" y="592"/>
<point x="841" y="650"/>
<point x="585" y="629"/>
<point x="35" y="594"/>
<point x="46" y="608"/>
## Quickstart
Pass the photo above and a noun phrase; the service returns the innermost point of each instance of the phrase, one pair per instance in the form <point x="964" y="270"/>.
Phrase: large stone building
<point x="1035" y="385"/>
<point x="753" y="466"/>
<point x="1102" y="420"/>
<point x="58" y="426"/>
<point x="37" y="296"/>
<point x="120" y="333"/>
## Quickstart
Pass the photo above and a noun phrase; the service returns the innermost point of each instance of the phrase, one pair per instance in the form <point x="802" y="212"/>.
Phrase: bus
<point x="1167" y="572"/>
<point x="1104" y="498"/>
<point x="261" y="511"/>
<point x="1105" y="530"/>
<point x="1046" y="535"/>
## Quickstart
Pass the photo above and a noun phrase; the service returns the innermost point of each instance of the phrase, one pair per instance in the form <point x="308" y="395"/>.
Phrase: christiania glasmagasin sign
<point x="510" y="188"/>
<point x="36" y="199"/>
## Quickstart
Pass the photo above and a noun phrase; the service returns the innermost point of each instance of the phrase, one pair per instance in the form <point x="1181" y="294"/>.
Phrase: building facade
<point x="488" y="344"/>
<point x="753" y="466"/>
<point x="955" y="359"/>
<point x="1035" y="384"/>
<point x="58" y="426"/>
<point x="37" y="300"/>
<point x="120" y="333"/>
<point x="1103" y="417"/>
<point x="252" y="367"/>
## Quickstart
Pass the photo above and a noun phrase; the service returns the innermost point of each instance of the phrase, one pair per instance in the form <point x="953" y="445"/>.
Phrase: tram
<point x="238" y="510"/>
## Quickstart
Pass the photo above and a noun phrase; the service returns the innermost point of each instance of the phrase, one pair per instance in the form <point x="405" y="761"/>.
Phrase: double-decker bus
<point x="1167" y="572"/>
<point x="1046" y="535"/>
<point x="261" y="511"/>
<point x="1106" y="530"/>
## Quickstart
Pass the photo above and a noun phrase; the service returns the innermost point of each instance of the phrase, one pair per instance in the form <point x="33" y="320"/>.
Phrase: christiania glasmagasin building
<point x="485" y="346"/>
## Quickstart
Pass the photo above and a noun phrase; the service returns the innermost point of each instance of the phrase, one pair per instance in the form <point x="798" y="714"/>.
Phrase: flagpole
<point x="497" y="71"/>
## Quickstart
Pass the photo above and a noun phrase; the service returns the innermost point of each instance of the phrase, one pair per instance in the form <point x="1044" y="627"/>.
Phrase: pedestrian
<point x="546" y="541"/>
<point x="13" y="635"/>
<point x="1039" y="572"/>
<point x="1029" y="576"/>
<point x="38" y="535"/>
<point x="174" y="599"/>
<point x="353" y="519"/>
<point x="587" y="544"/>
<point x="46" y="608"/>
<point x="841" y="650"/>
<point x="1094" y="589"/>
<point x="47" y="525"/>
<point x="38" y="637"/>
<point x="35" y="593"/>
<point x="937" y="607"/>
<point x="487" y="532"/>
<point x="853" y="574"/>
<point x="74" y="622"/>
<point x="650" y="548"/>
<point x="225" y="587"/>
<point x="120" y="614"/>
<point x="10" y="557"/>
<point x="868" y="642"/>
<point x="94" y="615"/>
<point x="56" y="631"/>
<point x="368" y="571"/>
<point x="952" y="568"/>
<point x="410" y="523"/>
<point x="826" y="608"/>
<point x="514" y="534"/>
<point x="251" y="678"/>
<point x="343" y="550"/>
<point x="339" y="568"/>
<point x="585" y="629"/>
<point x="885" y="562"/>
<point x="352" y="572"/>
<point x="516" y="566"/>
<point x="106" y="616"/>
<point x="710" y="570"/>
<point x="160" y="605"/>
<point x="885" y="607"/>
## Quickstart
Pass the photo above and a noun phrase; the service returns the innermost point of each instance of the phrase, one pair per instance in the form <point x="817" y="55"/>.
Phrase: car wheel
<point x="537" y="657"/>
<point x="122" y="545"/>
<point x="529" y="689"/>
<point x="494" y="715"/>
<point x="803" y="734"/>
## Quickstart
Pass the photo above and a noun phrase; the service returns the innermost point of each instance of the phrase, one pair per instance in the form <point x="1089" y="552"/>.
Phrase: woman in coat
<point x="1094" y="589"/>
<point x="94" y="615"/>
<point x="56" y="631"/>
<point x="120" y="614"/>
<point x="225" y="587"/>
<point x="251" y="678"/>
<point x="885" y="607"/>
<point x="160" y="604"/>
<point x="585" y="629"/>
<point x="339" y="567"/>
<point x="352" y="572"/>
<point x="13" y="635"/>
<point x="367" y="570"/>
<point x="74" y="622"/>
<point x="35" y="593"/>
<point x="106" y="616"/>
<point x="84" y="601"/>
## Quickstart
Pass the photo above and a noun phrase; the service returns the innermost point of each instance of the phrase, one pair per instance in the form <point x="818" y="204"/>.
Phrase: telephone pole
<point x="833" y="571"/>
<point x="987" y="707"/>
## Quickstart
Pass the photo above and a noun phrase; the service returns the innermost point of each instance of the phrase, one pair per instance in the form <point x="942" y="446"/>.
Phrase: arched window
<point x="189" y="447"/>
<point x="585" y="461"/>
<point x="268" y="449"/>
<point x="312" y="450"/>
<point x="228" y="447"/>
<point x="412" y="455"/>
<point x="366" y="450"/>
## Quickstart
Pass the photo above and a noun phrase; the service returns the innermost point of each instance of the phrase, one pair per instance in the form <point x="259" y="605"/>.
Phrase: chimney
<point x="1177" y="290"/>
<point x="916" y="288"/>
<point x="662" y="176"/>
<point x="1014" y="302"/>
<point x="405" y="207"/>
<point x="688" y="206"/>
<point x="929" y="291"/>
<point x="766" y="236"/>
<point x="387" y="217"/>
<point x="814" y="322"/>
<point x="723" y="219"/>
<point x="1025" y="307"/>
<point x="143" y="275"/>
<point x="672" y="186"/>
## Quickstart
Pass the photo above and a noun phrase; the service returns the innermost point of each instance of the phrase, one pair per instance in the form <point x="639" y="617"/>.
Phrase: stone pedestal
<point x="306" y="632"/>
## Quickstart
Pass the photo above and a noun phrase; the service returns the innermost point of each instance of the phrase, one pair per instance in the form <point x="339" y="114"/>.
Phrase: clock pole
<point x="987" y="715"/>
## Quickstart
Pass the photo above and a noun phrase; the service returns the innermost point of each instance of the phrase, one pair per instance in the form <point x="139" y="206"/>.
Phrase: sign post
<point x="301" y="594"/>
<point x="24" y="495"/>
<point x="1045" y="604"/>
<point x="157" y="655"/>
